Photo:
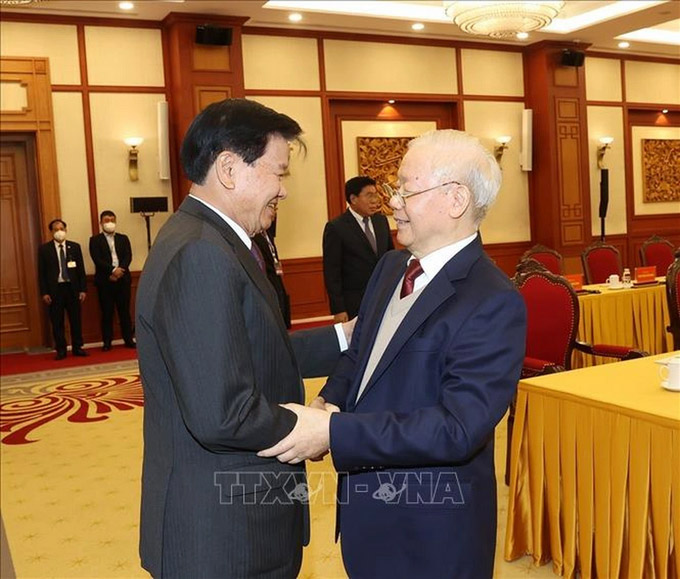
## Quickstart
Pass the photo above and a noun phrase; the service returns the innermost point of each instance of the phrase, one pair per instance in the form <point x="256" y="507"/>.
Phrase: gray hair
<point x="457" y="156"/>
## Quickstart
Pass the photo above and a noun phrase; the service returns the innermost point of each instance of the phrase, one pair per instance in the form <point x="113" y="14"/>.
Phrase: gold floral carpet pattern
<point x="71" y="464"/>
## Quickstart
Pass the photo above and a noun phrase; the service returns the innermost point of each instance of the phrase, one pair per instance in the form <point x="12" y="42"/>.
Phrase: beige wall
<point x="57" y="42"/>
<point x="508" y="218"/>
<point x="276" y="62"/>
<point x="13" y="96"/>
<point x="69" y="136"/>
<point x="303" y="214"/>
<point x="492" y="72"/>
<point x="603" y="79"/>
<point x="640" y="133"/>
<point x="115" y="57"/>
<point x="114" y="117"/>
<point x="124" y="56"/>
<point x="387" y="67"/>
<point x="607" y="122"/>
<point x="650" y="82"/>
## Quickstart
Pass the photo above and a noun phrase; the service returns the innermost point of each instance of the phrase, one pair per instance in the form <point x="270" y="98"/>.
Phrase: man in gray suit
<point x="216" y="361"/>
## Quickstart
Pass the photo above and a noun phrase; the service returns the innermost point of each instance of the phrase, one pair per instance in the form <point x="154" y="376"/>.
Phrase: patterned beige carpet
<point x="71" y="462"/>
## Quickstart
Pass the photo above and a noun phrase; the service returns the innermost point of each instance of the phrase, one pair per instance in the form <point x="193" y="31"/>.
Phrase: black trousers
<point x="66" y="298"/>
<point x="115" y="295"/>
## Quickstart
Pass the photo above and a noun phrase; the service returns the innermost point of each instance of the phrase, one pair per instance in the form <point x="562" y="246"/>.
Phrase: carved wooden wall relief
<point x="379" y="158"/>
<point x="660" y="170"/>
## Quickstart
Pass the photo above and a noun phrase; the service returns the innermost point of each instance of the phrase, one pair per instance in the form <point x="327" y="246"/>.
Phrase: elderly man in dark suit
<point x="63" y="286"/>
<point x="433" y="365"/>
<point x="352" y="245"/>
<point x="111" y="253"/>
<point x="217" y="362"/>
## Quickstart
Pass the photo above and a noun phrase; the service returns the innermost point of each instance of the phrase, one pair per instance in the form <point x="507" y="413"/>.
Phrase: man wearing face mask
<point x="61" y="276"/>
<point x="112" y="254"/>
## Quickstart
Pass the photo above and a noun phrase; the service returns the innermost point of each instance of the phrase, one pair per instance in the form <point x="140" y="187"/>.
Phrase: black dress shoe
<point x="130" y="345"/>
<point x="60" y="356"/>
<point x="80" y="352"/>
<point x="106" y="347"/>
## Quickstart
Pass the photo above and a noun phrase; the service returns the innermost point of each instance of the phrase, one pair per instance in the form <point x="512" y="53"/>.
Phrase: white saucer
<point x="665" y="361"/>
<point x="615" y="287"/>
<point x="665" y="386"/>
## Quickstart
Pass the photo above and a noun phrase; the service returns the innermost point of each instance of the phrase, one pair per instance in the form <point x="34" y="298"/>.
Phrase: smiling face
<point x="431" y="220"/>
<point x="254" y="191"/>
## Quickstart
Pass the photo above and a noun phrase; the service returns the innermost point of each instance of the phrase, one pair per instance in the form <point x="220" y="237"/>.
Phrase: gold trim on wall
<point x="660" y="170"/>
<point x="379" y="158"/>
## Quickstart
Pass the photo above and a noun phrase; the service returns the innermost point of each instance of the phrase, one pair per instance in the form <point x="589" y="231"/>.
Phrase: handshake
<point x="310" y="438"/>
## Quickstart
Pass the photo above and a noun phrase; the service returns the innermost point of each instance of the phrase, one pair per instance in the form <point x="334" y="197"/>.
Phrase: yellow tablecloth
<point x="635" y="317"/>
<point x="594" y="477"/>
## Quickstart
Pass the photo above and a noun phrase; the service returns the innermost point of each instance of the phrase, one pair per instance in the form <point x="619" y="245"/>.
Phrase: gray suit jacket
<point x="216" y="361"/>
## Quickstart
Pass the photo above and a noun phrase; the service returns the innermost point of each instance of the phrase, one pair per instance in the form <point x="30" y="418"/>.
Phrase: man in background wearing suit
<point x="433" y="365"/>
<point x="61" y="277"/>
<point x="352" y="245"/>
<point x="273" y="269"/>
<point x="217" y="361"/>
<point x="112" y="254"/>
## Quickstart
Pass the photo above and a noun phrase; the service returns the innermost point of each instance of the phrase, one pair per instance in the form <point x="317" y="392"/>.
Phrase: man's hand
<point x="310" y="437"/>
<point x="116" y="274"/>
<point x="348" y="328"/>
<point x="340" y="318"/>
<point x="81" y="296"/>
<point x="47" y="299"/>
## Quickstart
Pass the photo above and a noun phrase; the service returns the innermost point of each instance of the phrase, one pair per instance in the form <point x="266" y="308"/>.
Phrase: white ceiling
<point x="652" y="27"/>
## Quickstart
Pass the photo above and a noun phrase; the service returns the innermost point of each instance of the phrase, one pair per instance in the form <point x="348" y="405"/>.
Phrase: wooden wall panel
<point x="304" y="283"/>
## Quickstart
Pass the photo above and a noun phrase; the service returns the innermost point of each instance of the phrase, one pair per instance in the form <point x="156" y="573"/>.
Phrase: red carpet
<point x="23" y="363"/>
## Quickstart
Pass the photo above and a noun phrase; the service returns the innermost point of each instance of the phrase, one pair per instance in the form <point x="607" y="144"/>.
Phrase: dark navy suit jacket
<point x="419" y="499"/>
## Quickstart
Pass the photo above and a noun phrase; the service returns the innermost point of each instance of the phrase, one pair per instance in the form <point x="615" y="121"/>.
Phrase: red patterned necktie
<point x="412" y="272"/>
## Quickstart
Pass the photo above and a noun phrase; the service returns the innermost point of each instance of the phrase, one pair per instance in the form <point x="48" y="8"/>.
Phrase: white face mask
<point x="109" y="227"/>
<point x="59" y="235"/>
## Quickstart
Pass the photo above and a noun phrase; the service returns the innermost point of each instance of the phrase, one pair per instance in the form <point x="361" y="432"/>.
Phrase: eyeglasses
<point x="400" y="194"/>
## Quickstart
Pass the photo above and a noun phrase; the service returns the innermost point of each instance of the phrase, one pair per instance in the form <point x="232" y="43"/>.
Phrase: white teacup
<point x="614" y="280"/>
<point x="670" y="374"/>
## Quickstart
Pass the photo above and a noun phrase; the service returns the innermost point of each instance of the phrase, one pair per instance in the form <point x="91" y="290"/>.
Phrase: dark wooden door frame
<point x="445" y="113"/>
<point x="32" y="223"/>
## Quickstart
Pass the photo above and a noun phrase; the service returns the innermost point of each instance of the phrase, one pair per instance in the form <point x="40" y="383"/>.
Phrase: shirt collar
<point x="230" y="222"/>
<point x="57" y="243"/>
<point x="358" y="217"/>
<point x="435" y="261"/>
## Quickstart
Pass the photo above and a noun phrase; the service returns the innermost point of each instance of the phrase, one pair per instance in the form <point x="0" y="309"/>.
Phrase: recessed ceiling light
<point x="126" y="5"/>
<point x="417" y="26"/>
<point x="392" y="101"/>
<point x="624" y="44"/>
<point x="295" y="17"/>
<point x="664" y="111"/>
<point x="522" y="35"/>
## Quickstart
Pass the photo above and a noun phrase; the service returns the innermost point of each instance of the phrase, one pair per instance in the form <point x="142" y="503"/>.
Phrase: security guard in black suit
<point x="61" y="277"/>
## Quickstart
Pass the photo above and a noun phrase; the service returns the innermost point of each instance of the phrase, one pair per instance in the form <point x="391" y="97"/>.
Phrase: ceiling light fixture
<point x="522" y="35"/>
<point x="17" y="2"/>
<point x="417" y="26"/>
<point x="624" y="44"/>
<point x="502" y="19"/>
<point x="295" y="17"/>
<point x="126" y="5"/>
<point x="392" y="101"/>
<point x="664" y="111"/>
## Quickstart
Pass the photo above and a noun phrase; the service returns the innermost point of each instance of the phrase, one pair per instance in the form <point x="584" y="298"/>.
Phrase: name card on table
<point x="576" y="280"/>
<point x="645" y="274"/>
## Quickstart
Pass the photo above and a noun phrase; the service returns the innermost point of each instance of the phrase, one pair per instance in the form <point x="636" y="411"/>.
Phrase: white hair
<point x="457" y="156"/>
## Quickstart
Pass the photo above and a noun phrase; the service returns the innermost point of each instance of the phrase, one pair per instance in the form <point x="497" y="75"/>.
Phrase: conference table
<point x="594" y="477"/>
<point x="636" y="317"/>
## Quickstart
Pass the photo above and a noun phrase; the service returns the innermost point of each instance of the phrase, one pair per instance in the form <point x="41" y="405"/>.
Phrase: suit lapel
<point x="371" y="325"/>
<point x="246" y="259"/>
<point x="355" y="228"/>
<point x="437" y="291"/>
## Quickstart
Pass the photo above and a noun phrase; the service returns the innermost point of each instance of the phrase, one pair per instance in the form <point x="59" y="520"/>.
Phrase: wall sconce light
<point x="133" y="143"/>
<point x="602" y="149"/>
<point x="499" y="149"/>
